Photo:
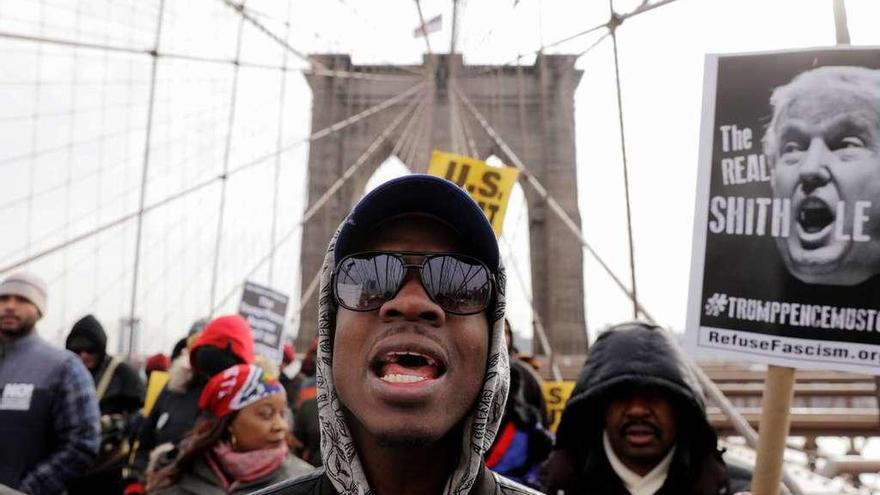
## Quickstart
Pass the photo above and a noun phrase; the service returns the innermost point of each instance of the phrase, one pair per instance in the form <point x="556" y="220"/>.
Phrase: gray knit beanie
<point x="28" y="286"/>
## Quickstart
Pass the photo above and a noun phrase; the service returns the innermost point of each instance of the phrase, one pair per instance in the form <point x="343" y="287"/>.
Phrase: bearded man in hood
<point x="412" y="365"/>
<point x="636" y="424"/>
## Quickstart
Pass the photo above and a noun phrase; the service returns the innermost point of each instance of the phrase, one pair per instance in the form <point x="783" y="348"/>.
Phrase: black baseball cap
<point x="424" y="194"/>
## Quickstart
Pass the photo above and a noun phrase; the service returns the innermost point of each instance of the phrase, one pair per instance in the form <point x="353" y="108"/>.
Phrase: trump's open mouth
<point x="815" y="219"/>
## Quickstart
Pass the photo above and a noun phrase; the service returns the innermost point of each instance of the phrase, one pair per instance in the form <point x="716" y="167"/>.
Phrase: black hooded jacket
<point x="119" y="405"/>
<point x="125" y="392"/>
<point x="638" y="355"/>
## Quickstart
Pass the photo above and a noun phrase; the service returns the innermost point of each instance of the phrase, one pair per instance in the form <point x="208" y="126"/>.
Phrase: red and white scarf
<point x="233" y="468"/>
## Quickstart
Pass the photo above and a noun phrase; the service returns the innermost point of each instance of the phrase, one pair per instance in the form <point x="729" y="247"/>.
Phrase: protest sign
<point x="786" y="253"/>
<point x="264" y="309"/>
<point x="489" y="186"/>
<point x="155" y="385"/>
<point x="556" y="394"/>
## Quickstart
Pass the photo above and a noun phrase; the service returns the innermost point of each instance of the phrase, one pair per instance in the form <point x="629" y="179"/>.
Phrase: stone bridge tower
<point x="532" y="108"/>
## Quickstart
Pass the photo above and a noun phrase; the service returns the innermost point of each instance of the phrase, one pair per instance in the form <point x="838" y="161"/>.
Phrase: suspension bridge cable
<point x="162" y="173"/>
<point x="632" y="257"/>
<point x="92" y="140"/>
<point x="423" y="27"/>
<point x="363" y="75"/>
<point x="641" y="9"/>
<point x="537" y="321"/>
<point x="317" y="70"/>
<point x="322" y="200"/>
<point x="84" y="176"/>
<point x="257" y="24"/>
<point x="411" y="150"/>
<point x="407" y="135"/>
<point x="554" y="205"/>
<point x="468" y="135"/>
<point x="178" y="255"/>
<point x="307" y="295"/>
<point x="593" y="45"/>
<point x="186" y="192"/>
<point x="536" y="317"/>
<point x="539" y="326"/>
<point x="279" y="143"/>
<point x="715" y="393"/>
<point x="313" y="283"/>
<point x="738" y="421"/>
<point x="230" y="123"/>
<point x="454" y="133"/>
<point x="144" y="175"/>
<point x="455" y="20"/>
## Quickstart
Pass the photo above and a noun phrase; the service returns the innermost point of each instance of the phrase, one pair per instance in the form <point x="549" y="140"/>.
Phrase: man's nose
<point x="813" y="170"/>
<point x="638" y="408"/>
<point x="412" y="303"/>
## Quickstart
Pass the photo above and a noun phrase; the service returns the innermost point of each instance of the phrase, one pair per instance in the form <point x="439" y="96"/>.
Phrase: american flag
<point x="431" y="26"/>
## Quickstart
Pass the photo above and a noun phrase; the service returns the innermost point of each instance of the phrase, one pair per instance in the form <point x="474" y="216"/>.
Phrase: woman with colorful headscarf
<point x="241" y="446"/>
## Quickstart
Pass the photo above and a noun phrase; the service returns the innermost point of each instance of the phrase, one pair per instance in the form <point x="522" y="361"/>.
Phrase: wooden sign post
<point x="773" y="430"/>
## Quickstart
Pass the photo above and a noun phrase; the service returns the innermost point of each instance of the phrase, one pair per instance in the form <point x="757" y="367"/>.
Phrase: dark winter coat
<point x="317" y="483"/>
<point x="119" y="405"/>
<point x="633" y="355"/>
<point x="306" y="427"/>
<point x="173" y="415"/>
<point x="525" y="384"/>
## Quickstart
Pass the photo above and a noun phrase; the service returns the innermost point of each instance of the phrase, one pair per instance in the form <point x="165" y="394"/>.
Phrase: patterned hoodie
<point x="342" y="467"/>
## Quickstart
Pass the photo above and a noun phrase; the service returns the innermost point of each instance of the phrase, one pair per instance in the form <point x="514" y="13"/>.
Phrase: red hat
<point x="289" y="354"/>
<point x="236" y="388"/>
<point x="227" y="332"/>
<point x="157" y="362"/>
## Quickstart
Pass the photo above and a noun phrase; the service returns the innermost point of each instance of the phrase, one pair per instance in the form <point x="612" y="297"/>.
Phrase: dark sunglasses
<point x="459" y="284"/>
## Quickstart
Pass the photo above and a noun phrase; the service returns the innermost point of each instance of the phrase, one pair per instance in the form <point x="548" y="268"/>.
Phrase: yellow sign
<point x="556" y="394"/>
<point x="158" y="379"/>
<point x="489" y="186"/>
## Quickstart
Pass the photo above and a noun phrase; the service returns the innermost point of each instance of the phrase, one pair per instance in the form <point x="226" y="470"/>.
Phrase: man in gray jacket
<point x="412" y="366"/>
<point x="48" y="411"/>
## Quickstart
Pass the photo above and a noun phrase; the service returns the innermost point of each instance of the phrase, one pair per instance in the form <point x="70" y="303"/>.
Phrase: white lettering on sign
<point x="16" y="397"/>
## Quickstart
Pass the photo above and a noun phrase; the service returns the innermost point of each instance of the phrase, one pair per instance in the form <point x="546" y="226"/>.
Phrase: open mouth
<point x="815" y="221"/>
<point x="814" y="215"/>
<point x="405" y="366"/>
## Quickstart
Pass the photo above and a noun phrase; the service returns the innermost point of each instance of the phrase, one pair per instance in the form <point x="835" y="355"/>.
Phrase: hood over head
<point x="157" y="362"/>
<point x="411" y="194"/>
<point x="87" y="333"/>
<point x="626" y="355"/>
<point x="231" y="334"/>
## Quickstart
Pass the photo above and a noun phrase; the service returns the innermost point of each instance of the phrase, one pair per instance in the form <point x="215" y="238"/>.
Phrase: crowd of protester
<point x="412" y="385"/>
